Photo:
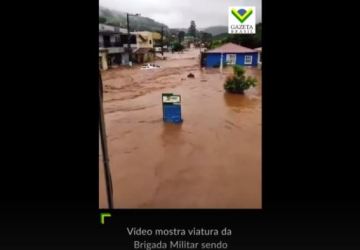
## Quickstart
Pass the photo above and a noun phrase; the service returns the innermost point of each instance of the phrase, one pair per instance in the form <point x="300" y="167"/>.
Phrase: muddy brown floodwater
<point x="211" y="160"/>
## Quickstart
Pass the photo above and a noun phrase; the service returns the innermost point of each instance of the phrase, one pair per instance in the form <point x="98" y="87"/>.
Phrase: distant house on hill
<point x="230" y="54"/>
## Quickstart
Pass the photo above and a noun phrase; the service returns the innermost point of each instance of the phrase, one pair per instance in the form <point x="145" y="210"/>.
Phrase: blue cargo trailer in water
<point x="171" y="108"/>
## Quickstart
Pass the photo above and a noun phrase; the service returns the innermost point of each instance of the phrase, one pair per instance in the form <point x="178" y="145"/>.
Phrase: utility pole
<point x="108" y="181"/>
<point x="128" y="37"/>
<point x="162" y="40"/>
<point x="128" y="28"/>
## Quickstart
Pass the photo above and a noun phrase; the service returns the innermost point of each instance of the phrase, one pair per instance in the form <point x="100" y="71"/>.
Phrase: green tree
<point x="192" y="29"/>
<point x="238" y="83"/>
<point x="114" y="23"/>
<point x="177" y="47"/>
<point x="102" y="19"/>
<point x="181" y="36"/>
<point x="215" y="43"/>
<point x="247" y="40"/>
<point x="205" y="37"/>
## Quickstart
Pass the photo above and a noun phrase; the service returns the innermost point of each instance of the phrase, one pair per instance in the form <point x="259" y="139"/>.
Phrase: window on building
<point x="150" y="41"/>
<point x="248" y="59"/>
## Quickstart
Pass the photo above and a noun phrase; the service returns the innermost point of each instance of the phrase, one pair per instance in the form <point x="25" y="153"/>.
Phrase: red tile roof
<point x="231" y="48"/>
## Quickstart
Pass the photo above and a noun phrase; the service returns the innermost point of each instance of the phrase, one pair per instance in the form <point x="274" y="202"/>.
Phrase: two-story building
<point x="111" y="46"/>
<point x="145" y="43"/>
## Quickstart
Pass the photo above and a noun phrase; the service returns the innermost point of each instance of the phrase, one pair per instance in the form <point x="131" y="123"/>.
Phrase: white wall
<point x="111" y="28"/>
<point x="105" y="27"/>
<point x="112" y="50"/>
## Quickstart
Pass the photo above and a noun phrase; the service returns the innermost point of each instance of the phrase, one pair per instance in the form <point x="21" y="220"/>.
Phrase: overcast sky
<point x="179" y="13"/>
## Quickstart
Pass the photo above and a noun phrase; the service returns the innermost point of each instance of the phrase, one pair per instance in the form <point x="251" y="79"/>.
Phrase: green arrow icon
<point x="242" y="18"/>
<point x="103" y="216"/>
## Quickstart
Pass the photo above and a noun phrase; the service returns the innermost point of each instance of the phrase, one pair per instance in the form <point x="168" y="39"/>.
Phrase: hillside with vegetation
<point x="215" y="30"/>
<point x="247" y="40"/>
<point x="210" y="37"/>
<point x="137" y="23"/>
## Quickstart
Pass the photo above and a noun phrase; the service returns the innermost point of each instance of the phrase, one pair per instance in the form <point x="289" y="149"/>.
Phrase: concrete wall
<point x="114" y="50"/>
<point x="111" y="28"/>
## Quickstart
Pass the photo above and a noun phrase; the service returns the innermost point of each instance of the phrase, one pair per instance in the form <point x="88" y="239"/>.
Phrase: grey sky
<point x="179" y="13"/>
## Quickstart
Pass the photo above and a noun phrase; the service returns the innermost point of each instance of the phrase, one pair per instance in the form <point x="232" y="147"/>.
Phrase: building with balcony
<point x="111" y="46"/>
<point x="145" y="43"/>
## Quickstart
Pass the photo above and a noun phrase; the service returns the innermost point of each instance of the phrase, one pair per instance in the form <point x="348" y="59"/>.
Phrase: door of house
<point x="117" y="59"/>
<point x="231" y="59"/>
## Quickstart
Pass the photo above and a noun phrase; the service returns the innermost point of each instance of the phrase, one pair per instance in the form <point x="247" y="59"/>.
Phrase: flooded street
<point x="211" y="160"/>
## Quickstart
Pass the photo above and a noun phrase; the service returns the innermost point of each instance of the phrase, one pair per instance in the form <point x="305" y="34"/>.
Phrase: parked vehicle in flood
<point x="150" y="66"/>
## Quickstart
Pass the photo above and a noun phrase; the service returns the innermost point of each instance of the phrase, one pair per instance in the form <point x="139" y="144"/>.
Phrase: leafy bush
<point x="102" y="19"/>
<point x="177" y="47"/>
<point x="239" y="82"/>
